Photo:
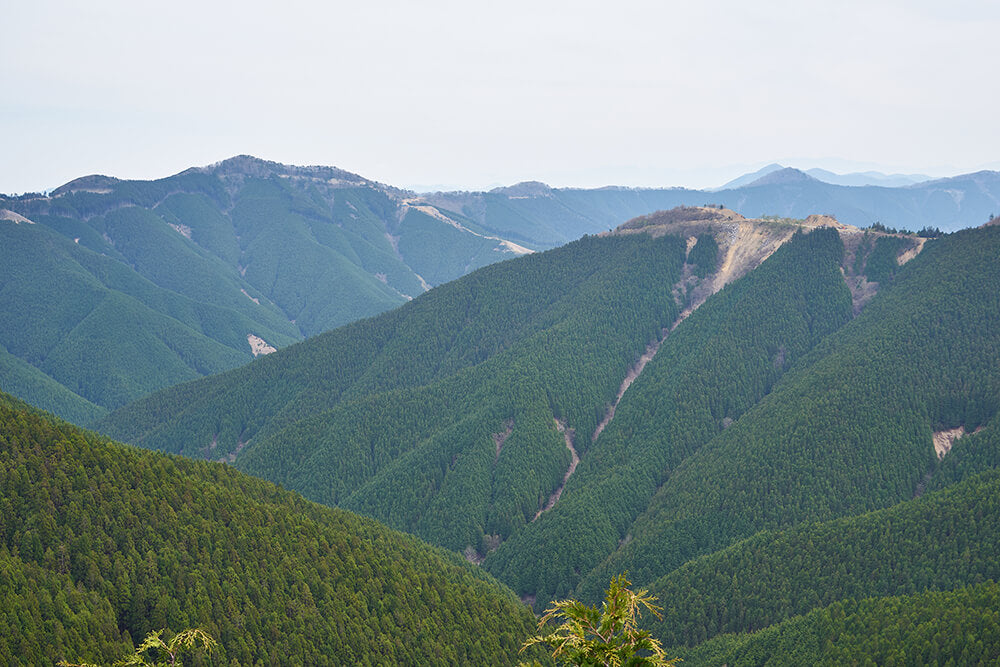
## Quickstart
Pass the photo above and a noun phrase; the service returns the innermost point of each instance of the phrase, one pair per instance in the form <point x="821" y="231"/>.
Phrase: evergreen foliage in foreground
<point x="101" y="544"/>
<point x="606" y="636"/>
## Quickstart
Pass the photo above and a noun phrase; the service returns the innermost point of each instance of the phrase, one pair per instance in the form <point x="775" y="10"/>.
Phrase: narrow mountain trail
<point x="568" y="434"/>
<point x="636" y="371"/>
<point x="500" y="438"/>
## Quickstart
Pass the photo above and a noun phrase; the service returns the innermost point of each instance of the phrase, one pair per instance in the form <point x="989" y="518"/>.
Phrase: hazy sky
<point x="474" y="94"/>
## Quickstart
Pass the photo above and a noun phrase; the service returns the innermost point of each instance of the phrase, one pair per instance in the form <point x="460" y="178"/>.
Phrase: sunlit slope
<point x="709" y="371"/>
<point x="103" y="332"/>
<point x="849" y="428"/>
<point x="115" y="289"/>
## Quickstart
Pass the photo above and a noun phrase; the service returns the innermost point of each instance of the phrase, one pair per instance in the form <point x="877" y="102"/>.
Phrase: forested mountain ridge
<point x="417" y="394"/>
<point x="849" y="429"/>
<point x="696" y="398"/>
<point x="959" y="627"/>
<point x="86" y="321"/>
<point x="101" y="543"/>
<point x="149" y="283"/>
<point x="713" y="367"/>
<point x="940" y="541"/>
<point x="449" y="417"/>
<point x="238" y="258"/>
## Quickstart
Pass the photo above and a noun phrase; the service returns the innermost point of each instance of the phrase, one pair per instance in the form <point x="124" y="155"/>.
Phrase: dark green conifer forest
<point x="797" y="455"/>
<point x="102" y="543"/>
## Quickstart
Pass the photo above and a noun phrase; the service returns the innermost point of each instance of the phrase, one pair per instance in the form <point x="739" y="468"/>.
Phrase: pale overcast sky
<point x="474" y="94"/>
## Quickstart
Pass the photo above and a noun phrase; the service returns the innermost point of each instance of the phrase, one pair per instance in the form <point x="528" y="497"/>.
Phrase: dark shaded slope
<point x="940" y="541"/>
<point x="102" y="543"/>
<point x="934" y="628"/>
<point x="850" y="429"/>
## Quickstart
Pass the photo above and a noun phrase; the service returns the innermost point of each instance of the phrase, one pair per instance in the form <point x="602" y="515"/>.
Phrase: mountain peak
<point x="746" y="179"/>
<point x="782" y="177"/>
<point x="255" y="167"/>
<point x="93" y="183"/>
<point x="524" y="189"/>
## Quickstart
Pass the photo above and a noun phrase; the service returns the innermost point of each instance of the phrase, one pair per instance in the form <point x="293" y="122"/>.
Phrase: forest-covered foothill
<point x="101" y="543"/>
<point x="774" y="457"/>
<point x="767" y="407"/>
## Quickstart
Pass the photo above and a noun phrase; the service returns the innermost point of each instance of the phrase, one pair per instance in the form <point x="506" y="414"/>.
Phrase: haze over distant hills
<point x="124" y="287"/>
<point x="854" y="178"/>
<point x="150" y="283"/>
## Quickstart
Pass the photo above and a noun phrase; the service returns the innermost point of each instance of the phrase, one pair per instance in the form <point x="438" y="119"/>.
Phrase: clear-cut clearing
<point x="910" y="253"/>
<point x="259" y="346"/>
<point x="945" y="440"/>
<point x="743" y="246"/>
<point x="183" y="230"/>
<point x="16" y="218"/>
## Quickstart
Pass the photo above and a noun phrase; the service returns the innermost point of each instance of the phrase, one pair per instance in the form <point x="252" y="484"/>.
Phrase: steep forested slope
<point x="117" y="288"/>
<point x="101" y="543"/>
<point x="295" y="251"/>
<point x="942" y="541"/>
<point x="768" y="406"/>
<point x="22" y="379"/>
<point x="849" y="429"/>
<point x="104" y="333"/>
<point x="935" y="628"/>
<point x="717" y="363"/>
<point x="438" y="417"/>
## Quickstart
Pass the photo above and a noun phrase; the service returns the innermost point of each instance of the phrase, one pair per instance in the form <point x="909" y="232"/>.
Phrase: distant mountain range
<point x="854" y="179"/>
<point x="112" y="289"/>
<point x="124" y="287"/>
<point x="547" y="216"/>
